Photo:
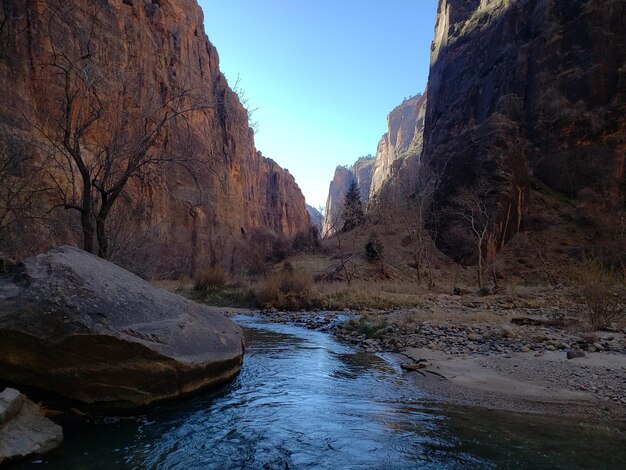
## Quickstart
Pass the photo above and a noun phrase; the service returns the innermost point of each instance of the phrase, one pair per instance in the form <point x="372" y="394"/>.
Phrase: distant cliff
<point x="400" y="145"/>
<point x="317" y="218"/>
<point x="522" y="90"/>
<point x="404" y="138"/>
<point x="361" y="172"/>
<point x="141" y="55"/>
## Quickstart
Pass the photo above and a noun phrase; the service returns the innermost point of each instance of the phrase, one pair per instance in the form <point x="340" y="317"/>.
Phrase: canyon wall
<point x="135" y="62"/>
<point x="522" y="91"/>
<point x="361" y="172"/>
<point x="404" y="138"/>
<point x="317" y="218"/>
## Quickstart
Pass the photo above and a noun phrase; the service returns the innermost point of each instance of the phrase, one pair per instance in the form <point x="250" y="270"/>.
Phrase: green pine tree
<point x="352" y="208"/>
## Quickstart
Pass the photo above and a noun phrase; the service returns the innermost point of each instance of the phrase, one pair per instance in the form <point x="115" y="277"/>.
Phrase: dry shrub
<point x="210" y="279"/>
<point x="601" y="293"/>
<point x="370" y="326"/>
<point x="287" y="290"/>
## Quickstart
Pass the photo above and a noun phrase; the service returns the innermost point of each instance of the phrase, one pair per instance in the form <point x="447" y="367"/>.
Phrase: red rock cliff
<point x="146" y="52"/>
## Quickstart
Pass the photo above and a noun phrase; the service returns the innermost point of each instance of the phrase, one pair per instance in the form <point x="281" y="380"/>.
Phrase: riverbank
<point x="590" y="387"/>
<point x="492" y="352"/>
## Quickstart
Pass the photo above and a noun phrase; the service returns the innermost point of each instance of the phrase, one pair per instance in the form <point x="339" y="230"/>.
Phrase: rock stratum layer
<point x="142" y="56"/>
<point x="523" y="89"/>
<point x="86" y="329"/>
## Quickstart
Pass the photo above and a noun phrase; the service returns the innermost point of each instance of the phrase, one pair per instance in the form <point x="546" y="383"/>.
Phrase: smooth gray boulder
<point x="23" y="429"/>
<point x="83" y="328"/>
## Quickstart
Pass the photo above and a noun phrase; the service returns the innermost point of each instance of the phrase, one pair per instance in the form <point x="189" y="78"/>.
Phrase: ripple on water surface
<point x="303" y="400"/>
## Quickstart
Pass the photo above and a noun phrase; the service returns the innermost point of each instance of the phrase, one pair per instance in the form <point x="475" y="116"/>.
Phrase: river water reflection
<point x="303" y="400"/>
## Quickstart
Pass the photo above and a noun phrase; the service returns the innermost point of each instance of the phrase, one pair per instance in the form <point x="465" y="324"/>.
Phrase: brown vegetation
<point x="210" y="279"/>
<point x="287" y="290"/>
<point x="600" y="292"/>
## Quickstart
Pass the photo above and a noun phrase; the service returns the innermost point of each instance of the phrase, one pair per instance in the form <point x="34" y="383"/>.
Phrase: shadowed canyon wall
<point x="142" y="55"/>
<point x="524" y="90"/>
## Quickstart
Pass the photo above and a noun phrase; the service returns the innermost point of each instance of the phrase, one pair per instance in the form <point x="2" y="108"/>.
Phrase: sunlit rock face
<point x="404" y="138"/>
<point x="523" y="89"/>
<point x="183" y="220"/>
<point x="361" y="172"/>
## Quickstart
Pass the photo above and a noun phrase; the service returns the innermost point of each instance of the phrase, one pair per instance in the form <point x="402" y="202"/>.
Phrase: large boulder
<point x="86" y="329"/>
<point x="23" y="429"/>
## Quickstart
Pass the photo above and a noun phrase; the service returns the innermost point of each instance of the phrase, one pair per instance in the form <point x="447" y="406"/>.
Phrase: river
<point x="305" y="400"/>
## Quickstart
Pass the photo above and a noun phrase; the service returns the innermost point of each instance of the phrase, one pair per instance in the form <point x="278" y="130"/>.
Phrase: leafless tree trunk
<point x="95" y="143"/>
<point x="475" y="222"/>
<point x="345" y="254"/>
<point x="410" y="204"/>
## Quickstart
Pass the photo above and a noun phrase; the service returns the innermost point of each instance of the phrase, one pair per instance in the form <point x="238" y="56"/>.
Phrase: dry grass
<point x="210" y="279"/>
<point x="362" y="295"/>
<point x="441" y="314"/>
<point x="287" y="290"/>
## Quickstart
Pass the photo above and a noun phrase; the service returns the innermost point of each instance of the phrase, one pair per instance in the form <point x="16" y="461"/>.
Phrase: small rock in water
<point x="23" y="429"/>
<point x="574" y="353"/>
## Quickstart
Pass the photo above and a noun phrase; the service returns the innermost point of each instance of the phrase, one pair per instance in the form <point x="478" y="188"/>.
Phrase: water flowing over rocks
<point x="83" y="328"/>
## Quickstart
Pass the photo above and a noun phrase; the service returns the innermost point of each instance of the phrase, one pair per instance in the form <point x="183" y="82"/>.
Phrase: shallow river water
<point x="304" y="400"/>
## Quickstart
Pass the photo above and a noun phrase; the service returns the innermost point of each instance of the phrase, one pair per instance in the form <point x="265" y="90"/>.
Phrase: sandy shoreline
<point x="549" y="384"/>
<point x="496" y="366"/>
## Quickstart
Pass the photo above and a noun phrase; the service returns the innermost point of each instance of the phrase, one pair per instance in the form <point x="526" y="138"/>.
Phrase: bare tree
<point x="345" y="245"/>
<point x="100" y="129"/>
<point x="410" y="204"/>
<point x="245" y="102"/>
<point x="481" y="219"/>
<point x="20" y="187"/>
<point x="474" y="222"/>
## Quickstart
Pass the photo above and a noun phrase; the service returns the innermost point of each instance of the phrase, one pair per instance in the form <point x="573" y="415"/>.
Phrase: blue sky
<point x="323" y="74"/>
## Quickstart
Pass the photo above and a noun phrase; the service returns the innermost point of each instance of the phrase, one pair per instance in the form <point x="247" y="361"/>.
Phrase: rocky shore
<point x="474" y="351"/>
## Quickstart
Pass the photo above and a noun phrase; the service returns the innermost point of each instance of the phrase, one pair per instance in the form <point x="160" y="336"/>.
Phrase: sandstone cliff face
<point x="403" y="138"/>
<point x="146" y="53"/>
<point x="361" y="172"/>
<point x="523" y="89"/>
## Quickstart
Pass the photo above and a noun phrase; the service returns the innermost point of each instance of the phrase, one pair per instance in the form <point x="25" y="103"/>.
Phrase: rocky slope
<point x="524" y="90"/>
<point x="139" y="56"/>
<point x="361" y="172"/>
